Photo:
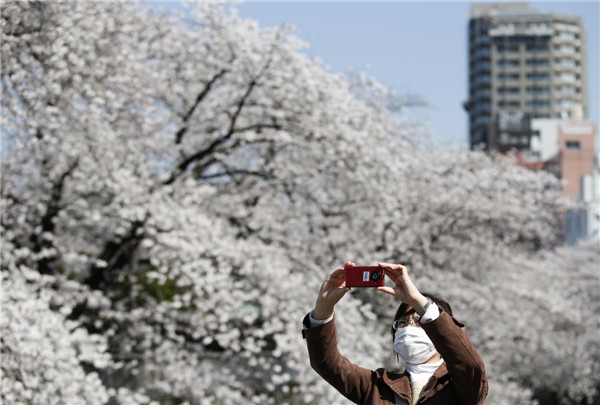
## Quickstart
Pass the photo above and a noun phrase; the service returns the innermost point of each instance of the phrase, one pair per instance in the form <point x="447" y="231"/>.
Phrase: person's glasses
<point x="403" y="323"/>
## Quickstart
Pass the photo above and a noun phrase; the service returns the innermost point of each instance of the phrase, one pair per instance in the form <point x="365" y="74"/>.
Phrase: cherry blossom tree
<point x="176" y="187"/>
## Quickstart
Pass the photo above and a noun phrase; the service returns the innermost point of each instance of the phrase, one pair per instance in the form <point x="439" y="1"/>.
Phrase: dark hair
<point x="403" y="308"/>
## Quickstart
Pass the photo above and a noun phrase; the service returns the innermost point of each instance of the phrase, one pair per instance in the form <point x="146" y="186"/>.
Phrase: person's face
<point x="409" y="317"/>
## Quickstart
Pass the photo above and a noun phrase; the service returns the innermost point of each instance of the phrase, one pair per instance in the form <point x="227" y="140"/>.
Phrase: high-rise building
<point x="523" y="64"/>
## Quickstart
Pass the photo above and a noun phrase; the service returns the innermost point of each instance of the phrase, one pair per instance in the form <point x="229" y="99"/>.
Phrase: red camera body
<point x="365" y="276"/>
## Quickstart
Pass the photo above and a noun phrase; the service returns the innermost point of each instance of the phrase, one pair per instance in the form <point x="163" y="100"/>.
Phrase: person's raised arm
<point x="354" y="382"/>
<point x="332" y="290"/>
<point x="405" y="290"/>
<point x="464" y="363"/>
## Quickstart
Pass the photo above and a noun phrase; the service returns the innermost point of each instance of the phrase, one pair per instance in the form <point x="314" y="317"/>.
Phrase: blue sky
<point x="411" y="47"/>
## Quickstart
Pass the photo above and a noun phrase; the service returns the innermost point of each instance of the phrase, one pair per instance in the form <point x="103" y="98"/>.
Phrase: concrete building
<point x="523" y="65"/>
<point x="583" y="222"/>
<point x="577" y="143"/>
<point x="566" y="148"/>
<point x="590" y="196"/>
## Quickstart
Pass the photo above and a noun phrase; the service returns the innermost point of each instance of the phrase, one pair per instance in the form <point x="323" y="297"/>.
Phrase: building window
<point x="538" y="62"/>
<point x="538" y="103"/>
<point x="572" y="145"/>
<point x="536" y="133"/>
<point x="538" y="90"/>
<point x="510" y="76"/>
<point x="510" y="104"/>
<point x="481" y="107"/>
<point x="538" y="76"/>
<point x="481" y="67"/>
<point x="537" y="47"/>
<point x="509" y="90"/>
<point x="508" y="48"/>
<point x="509" y="62"/>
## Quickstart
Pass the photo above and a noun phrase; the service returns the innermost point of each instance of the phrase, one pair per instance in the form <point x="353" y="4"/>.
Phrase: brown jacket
<point x="460" y="379"/>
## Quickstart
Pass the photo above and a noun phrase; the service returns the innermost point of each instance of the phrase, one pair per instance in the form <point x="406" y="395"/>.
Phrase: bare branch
<point x="182" y="131"/>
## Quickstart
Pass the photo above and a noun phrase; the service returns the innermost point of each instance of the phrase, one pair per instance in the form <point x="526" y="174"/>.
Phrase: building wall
<point x="577" y="144"/>
<point x="590" y="196"/>
<point x="544" y="140"/>
<point x="583" y="222"/>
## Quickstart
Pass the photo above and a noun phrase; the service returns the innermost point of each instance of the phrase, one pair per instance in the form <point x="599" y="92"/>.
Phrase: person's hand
<point x="332" y="290"/>
<point x="405" y="290"/>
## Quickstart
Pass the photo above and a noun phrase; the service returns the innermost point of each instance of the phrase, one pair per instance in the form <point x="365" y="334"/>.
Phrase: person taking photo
<point x="441" y="365"/>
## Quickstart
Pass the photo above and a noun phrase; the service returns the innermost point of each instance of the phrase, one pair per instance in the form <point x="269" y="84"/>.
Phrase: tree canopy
<point x="176" y="187"/>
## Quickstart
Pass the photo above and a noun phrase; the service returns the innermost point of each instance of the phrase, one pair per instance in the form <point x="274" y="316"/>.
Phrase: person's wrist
<point x="321" y="315"/>
<point x="322" y="309"/>
<point x="418" y="303"/>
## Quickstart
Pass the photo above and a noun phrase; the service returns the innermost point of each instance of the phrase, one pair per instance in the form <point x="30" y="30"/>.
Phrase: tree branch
<point x="201" y="154"/>
<point x="116" y="254"/>
<point x="182" y="131"/>
<point x="47" y="222"/>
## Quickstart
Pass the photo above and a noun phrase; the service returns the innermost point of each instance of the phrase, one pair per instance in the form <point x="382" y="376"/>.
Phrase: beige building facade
<point x="577" y="143"/>
<point x="524" y="64"/>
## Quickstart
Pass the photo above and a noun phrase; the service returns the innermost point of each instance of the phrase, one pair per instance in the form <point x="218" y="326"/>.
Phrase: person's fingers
<point x="337" y="274"/>
<point x="390" y="266"/>
<point x="339" y="293"/>
<point x="395" y="271"/>
<point x="349" y="264"/>
<point x="394" y="268"/>
<point x="393" y="275"/>
<point x="343" y="290"/>
<point x="334" y="280"/>
<point x="387" y="290"/>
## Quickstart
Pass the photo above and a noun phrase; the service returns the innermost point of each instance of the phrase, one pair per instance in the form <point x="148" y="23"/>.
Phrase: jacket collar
<point x="400" y="383"/>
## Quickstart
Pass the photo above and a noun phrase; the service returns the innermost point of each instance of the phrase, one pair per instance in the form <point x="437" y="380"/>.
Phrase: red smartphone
<point x="365" y="276"/>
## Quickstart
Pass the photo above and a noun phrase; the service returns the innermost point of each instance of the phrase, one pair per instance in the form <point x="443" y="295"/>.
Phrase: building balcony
<point x="561" y="27"/>
<point x="480" y="40"/>
<point x="481" y="121"/>
<point x="567" y="41"/>
<point x="478" y="68"/>
<point x="482" y="53"/>
<point x="481" y="80"/>
<point x="481" y="94"/>
<point x="481" y="108"/>
<point x="566" y="92"/>
<point x="567" y="69"/>
<point x="566" y="61"/>
<point x="534" y="30"/>
<point x="567" y="51"/>
<point x="566" y="79"/>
